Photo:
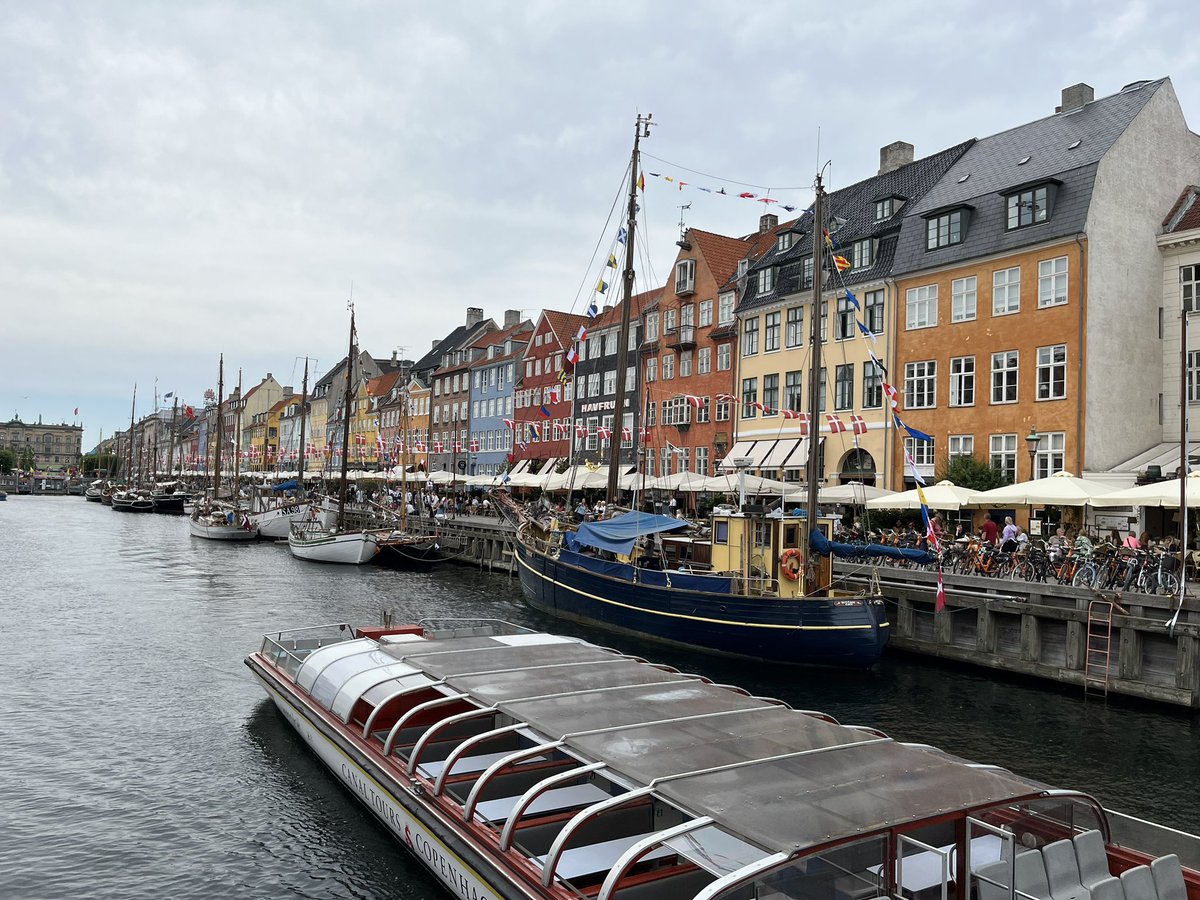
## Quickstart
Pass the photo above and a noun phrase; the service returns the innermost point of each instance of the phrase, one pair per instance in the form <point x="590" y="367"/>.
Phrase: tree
<point x="8" y="460"/>
<point x="972" y="472"/>
<point x="28" y="462"/>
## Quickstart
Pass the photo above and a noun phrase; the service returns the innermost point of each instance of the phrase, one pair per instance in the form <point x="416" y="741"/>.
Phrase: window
<point x="1004" y="376"/>
<point x="725" y="308"/>
<point x="844" y="327"/>
<point x="703" y="413"/>
<point x="682" y="459"/>
<point x="1051" y="454"/>
<point x="795" y="326"/>
<point x="651" y="414"/>
<point x="872" y="386"/>
<point x="652" y="326"/>
<point x="962" y="381"/>
<point x="1006" y="291"/>
<point x="722" y="411"/>
<point x="920" y="384"/>
<point x="784" y="241"/>
<point x="766" y="280"/>
<point x="724" y="361"/>
<point x="824" y="321"/>
<point x="1052" y="282"/>
<point x="863" y="253"/>
<point x="1031" y="207"/>
<point x="922" y="306"/>
<point x="668" y="366"/>
<point x="884" y="208"/>
<point x="749" y="397"/>
<point x="685" y="276"/>
<point x="873" y="311"/>
<point x="630" y="379"/>
<point x="651" y="369"/>
<point x="1052" y="372"/>
<point x="922" y="453"/>
<point x="705" y="313"/>
<point x="944" y="230"/>
<point x="1189" y="287"/>
<point x="701" y="460"/>
<point x="593" y="438"/>
<point x="770" y="395"/>
<point x="685" y="363"/>
<point x="771" y="331"/>
<point x="1193" y="376"/>
<point x="594" y="384"/>
<point x="649" y="468"/>
<point x="793" y="394"/>
<point x="669" y="318"/>
<point x="704" y="361"/>
<point x="823" y="383"/>
<point x="843" y="387"/>
<point x="962" y="299"/>
<point x="960" y="445"/>
<point x="750" y="337"/>
<point x="806" y="272"/>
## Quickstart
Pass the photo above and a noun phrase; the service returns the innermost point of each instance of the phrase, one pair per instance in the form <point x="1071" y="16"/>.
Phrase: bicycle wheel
<point x="1085" y="575"/>
<point x="1023" y="571"/>
<point x="1168" y="583"/>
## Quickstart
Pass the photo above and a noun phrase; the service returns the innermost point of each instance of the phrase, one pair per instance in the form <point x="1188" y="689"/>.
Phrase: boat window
<point x="791" y="535"/>
<point x="851" y="871"/>
<point x="334" y="675"/>
<point x="721" y="531"/>
<point x="323" y="656"/>
<point x="353" y="688"/>
<point x="714" y="850"/>
<point x="1047" y="819"/>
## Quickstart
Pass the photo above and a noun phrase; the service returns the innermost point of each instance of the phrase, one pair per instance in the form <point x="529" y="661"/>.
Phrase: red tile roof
<point x="565" y="325"/>
<point x="379" y="387"/>
<point x="1185" y="214"/>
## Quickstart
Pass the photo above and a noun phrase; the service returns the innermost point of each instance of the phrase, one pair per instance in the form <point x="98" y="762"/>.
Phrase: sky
<point x="179" y="181"/>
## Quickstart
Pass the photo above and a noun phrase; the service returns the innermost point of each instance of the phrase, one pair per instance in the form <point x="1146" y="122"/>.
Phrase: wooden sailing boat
<point x="212" y="518"/>
<point x="400" y="547"/>
<point x="276" y="512"/>
<point x="311" y="539"/>
<point x="129" y="498"/>
<point x="759" y="587"/>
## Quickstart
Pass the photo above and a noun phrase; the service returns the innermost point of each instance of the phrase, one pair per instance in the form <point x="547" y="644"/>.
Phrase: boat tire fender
<point x="790" y="564"/>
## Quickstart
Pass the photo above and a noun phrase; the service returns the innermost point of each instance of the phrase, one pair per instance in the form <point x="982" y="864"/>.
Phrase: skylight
<point x="1023" y="160"/>
<point x="1073" y="145"/>
<point x="964" y="178"/>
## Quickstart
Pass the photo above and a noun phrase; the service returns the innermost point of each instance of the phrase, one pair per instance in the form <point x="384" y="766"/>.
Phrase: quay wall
<point x="484" y="543"/>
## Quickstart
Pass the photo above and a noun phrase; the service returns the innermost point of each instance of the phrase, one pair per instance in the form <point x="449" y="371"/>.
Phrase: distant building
<point x="492" y="379"/>
<point x="56" y="448"/>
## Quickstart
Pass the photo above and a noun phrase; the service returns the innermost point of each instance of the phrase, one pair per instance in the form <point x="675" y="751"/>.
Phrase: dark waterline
<point x="141" y="759"/>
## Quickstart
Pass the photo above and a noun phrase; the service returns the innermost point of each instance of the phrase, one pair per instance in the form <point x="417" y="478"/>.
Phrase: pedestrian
<point x="671" y="504"/>
<point x="989" y="530"/>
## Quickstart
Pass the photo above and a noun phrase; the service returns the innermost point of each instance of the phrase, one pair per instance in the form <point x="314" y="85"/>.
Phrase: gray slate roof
<point x="856" y="206"/>
<point x="993" y="167"/>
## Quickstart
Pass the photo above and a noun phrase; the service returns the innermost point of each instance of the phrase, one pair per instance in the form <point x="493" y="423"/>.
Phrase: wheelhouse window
<point x="945" y="230"/>
<point x="1052" y="372"/>
<point x="920" y="384"/>
<point x="1029" y="207"/>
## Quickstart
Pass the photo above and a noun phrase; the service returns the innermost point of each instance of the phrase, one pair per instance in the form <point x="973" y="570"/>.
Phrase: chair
<point x="1092" y="857"/>
<point x="995" y="872"/>
<point x="1030" y="873"/>
<point x="1168" y="878"/>
<point x="1108" y="889"/>
<point x="1062" y="871"/>
<point x="1138" y="883"/>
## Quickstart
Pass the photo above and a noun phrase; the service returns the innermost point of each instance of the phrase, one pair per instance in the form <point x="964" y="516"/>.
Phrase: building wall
<point x="491" y="403"/>
<point x="56" y="448"/>
<point x="1136" y="183"/>
<point x="1181" y="249"/>
<point x="538" y="372"/>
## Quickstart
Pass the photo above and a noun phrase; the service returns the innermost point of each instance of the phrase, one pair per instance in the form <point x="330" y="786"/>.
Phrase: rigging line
<point x="600" y="240"/>
<point x="761" y="187"/>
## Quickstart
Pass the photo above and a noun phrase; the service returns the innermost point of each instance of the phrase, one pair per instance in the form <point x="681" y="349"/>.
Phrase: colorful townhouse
<point x="687" y="353"/>
<point x="1030" y="289"/>
<point x="404" y="423"/>
<point x="543" y="397"/>
<point x="775" y="323"/>
<point x="493" y="379"/>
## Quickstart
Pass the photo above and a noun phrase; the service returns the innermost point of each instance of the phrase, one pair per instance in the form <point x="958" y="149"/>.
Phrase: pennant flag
<point x="836" y="425"/>
<point x="841" y="262"/>
<point x="612" y="261"/>
<point x="168" y="395"/>
<point x="505" y="479"/>
<point x="918" y="435"/>
<point x="858" y="425"/>
<point x="746" y="195"/>
<point x="593" y="310"/>
<point x="77" y="410"/>
<point x="552" y="394"/>
<point x="581" y="334"/>
<point x="853" y="300"/>
<point x="545" y="412"/>
<point x="788" y="208"/>
<point x="572" y="357"/>
<point x="766" y="200"/>
<point x="602" y="286"/>
<point x="890" y="392"/>
<point x="622" y="234"/>
<point x="875" y="359"/>
<point x="642" y="182"/>
<point x="187" y="411"/>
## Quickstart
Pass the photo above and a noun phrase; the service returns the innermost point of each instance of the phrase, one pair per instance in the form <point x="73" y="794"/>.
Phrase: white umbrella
<point x="943" y="495"/>
<point x="689" y="482"/>
<point x="440" y="477"/>
<point x="1060" y="489"/>
<point x="729" y="484"/>
<point x="855" y="492"/>
<point x="1160" y="493"/>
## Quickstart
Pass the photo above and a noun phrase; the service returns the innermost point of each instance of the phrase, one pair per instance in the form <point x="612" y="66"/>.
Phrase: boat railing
<point x="441" y="629"/>
<point x="1150" y="837"/>
<point x="287" y="650"/>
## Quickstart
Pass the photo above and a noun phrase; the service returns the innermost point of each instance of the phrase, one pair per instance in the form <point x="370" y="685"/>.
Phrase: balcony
<point x="683" y="339"/>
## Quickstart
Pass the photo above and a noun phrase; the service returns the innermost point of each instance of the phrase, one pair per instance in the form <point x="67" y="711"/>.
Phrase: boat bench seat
<point x="1168" y="878"/>
<point x="469" y="765"/>
<point x="591" y="859"/>
<point x="556" y="799"/>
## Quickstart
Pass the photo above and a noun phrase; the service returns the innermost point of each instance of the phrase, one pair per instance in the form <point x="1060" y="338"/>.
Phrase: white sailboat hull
<point x="202" y="528"/>
<point x="276" y="523"/>
<point x="348" y="548"/>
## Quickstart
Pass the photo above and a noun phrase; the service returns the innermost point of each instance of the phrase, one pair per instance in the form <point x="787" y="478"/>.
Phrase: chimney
<point x="512" y="318"/>
<point x="766" y="222"/>
<point x="435" y="344"/>
<point x="1075" y="96"/>
<point x="474" y="316"/>
<point x="894" y="155"/>
<point x="395" y="353"/>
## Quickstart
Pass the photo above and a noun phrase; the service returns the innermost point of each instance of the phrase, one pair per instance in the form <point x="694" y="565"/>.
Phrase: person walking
<point x="989" y="530"/>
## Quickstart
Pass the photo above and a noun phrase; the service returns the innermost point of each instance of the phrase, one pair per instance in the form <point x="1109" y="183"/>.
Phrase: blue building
<point x="493" y="376"/>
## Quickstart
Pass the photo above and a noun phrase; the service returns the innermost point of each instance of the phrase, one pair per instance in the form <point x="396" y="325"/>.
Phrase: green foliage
<point x="8" y="460"/>
<point x="972" y="472"/>
<point x="28" y="463"/>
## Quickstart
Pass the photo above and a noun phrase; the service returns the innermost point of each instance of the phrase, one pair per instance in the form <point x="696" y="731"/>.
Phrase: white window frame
<point x="1052" y="372"/>
<point x="766" y="280"/>
<point x="960" y="445"/>
<point x="921" y="305"/>
<point x="1002" y="454"/>
<point x="794" y="332"/>
<point x="1051" y="454"/>
<point x="724" y="357"/>
<point x="706" y="313"/>
<point x="920" y="384"/>
<point x="963" y="299"/>
<point x="1052" y="282"/>
<point x="962" y="380"/>
<point x="1006" y="377"/>
<point x="685" y="276"/>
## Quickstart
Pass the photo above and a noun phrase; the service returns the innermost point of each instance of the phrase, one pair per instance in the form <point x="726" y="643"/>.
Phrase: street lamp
<point x="1032" y="440"/>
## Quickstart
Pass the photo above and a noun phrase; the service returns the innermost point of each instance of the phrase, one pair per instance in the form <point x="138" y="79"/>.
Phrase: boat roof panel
<point x="590" y="676"/>
<point x="502" y="658"/>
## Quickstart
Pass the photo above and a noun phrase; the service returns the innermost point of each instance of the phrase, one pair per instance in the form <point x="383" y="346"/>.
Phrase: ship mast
<point x="129" y="449"/>
<point x="814" y="387"/>
<point x="237" y="445"/>
<point x="346" y="426"/>
<point x="303" y="416"/>
<point x="641" y="129"/>
<point x="216" y="482"/>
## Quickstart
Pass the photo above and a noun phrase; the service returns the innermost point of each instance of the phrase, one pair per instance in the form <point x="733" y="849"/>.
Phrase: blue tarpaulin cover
<point x="289" y="485"/>
<point x="618" y="535"/>
<point x="825" y="547"/>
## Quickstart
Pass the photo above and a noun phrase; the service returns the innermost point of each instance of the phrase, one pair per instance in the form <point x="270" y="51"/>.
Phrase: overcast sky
<point x="181" y="180"/>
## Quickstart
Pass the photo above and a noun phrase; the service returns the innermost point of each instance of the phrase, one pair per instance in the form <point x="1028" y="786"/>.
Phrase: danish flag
<point x="627" y="434"/>
<point x="893" y="397"/>
<point x="693" y="400"/>
<point x="510" y="424"/>
<point x="439" y="447"/>
<point x="581" y="430"/>
<point x="560" y="430"/>
<point x="858" y="425"/>
<point x="790" y="413"/>
<point x="475" y="445"/>
<point x="604" y="433"/>
<point x="458" y="446"/>
<point x="420" y="446"/>
<point x="726" y="398"/>
<point x="836" y="425"/>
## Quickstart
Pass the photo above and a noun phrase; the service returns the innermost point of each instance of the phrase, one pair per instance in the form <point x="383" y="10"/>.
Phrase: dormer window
<point x="743" y="265"/>
<point x="784" y="241"/>
<point x="1029" y="206"/>
<point x="685" y="276"/>
<point x="863" y="253"/>
<point x="806" y="272"/>
<point x="885" y="208"/>
<point x="947" y="228"/>
<point x="766" y="280"/>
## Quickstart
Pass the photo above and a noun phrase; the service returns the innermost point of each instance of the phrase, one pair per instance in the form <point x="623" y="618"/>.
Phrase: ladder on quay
<point x="1098" y="648"/>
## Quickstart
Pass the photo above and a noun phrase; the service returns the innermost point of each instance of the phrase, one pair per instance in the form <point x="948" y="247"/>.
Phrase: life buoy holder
<point x="790" y="564"/>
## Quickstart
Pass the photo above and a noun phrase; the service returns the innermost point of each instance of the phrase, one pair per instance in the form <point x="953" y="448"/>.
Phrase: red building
<point x="542" y="407"/>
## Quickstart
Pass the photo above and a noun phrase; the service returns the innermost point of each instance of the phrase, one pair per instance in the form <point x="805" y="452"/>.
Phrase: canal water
<point x="139" y="758"/>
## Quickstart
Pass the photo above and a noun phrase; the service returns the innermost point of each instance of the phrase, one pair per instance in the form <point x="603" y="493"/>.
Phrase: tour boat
<point x="516" y="764"/>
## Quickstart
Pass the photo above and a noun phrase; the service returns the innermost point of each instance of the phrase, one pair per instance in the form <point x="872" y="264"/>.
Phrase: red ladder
<point x="1098" y="651"/>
